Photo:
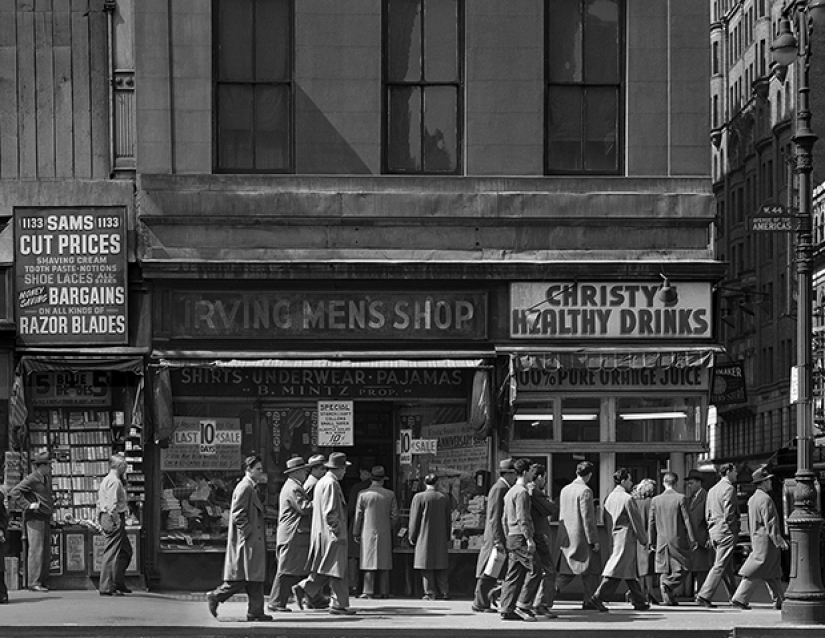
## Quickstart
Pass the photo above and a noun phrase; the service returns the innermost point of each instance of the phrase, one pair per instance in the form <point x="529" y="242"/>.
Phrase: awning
<point x="29" y="364"/>
<point x="612" y="358"/>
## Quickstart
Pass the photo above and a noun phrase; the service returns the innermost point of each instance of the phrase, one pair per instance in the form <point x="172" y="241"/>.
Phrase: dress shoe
<point x="4" y="601"/>
<point x="278" y="609"/>
<point x="320" y="603"/>
<point x="366" y="596"/>
<point x="597" y="604"/>
<point x="777" y="604"/>
<point x="213" y="603"/>
<point x="443" y="597"/>
<point x="704" y="602"/>
<point x="114" y="592"/>
<point x="642" y="607"/>
<point x="481" y="610"/>
<point x="544" y="610"/>
<point x="39" y="588"/>
<point x="341" y="611"/>
<point x="429" y="597"/>
<point x="526" y="615"/>
<point x="261" y="618"/>
<point x="123" y="589"/>
<point x="510" y="616"/>
<point x="300" y="596"/>
<point x="739" y="604"/>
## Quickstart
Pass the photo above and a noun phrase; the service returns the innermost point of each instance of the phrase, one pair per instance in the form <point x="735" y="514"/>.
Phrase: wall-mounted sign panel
<point x="70" y="275"/>
<point x="610" y="310"/>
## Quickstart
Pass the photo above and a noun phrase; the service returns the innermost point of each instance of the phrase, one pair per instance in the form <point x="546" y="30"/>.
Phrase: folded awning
<point x="73" y="363"/>
<point x="612" y="358"/>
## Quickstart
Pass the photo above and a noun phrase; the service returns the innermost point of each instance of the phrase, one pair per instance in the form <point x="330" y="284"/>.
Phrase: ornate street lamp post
<point x="805" y="597"/>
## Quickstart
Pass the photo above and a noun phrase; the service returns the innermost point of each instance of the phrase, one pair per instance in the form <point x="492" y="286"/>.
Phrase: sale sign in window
<point x="70" y="276"/>
<point x="203" y="444"/>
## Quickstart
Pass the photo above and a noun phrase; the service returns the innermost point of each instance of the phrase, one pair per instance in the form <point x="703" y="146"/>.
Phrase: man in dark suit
<point x="671" y="536"/>
<point x="700" y="558"/>
<point x="493" y="535"/>
<point x="36" y="491"/>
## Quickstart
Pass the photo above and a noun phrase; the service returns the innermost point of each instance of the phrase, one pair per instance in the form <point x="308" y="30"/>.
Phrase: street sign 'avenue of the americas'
<point x="772" y="218"/>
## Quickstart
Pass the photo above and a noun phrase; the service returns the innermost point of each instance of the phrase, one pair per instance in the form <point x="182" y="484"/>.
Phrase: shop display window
<point x="655" y="420"/>
<point x="199" y="470"/>
<point x="580" y="420"/>
<point x="534" y="421"/>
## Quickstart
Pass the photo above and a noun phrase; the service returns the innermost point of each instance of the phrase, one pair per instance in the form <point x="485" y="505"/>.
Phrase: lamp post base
<point x="803" y="612"/>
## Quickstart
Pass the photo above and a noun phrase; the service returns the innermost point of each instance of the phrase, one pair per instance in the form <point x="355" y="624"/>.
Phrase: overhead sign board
<point x="772" y="218"/>
<point x="728" y="386"/>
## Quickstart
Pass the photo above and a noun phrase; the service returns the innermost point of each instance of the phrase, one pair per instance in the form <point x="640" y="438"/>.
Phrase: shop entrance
<point x="374" y="442"/>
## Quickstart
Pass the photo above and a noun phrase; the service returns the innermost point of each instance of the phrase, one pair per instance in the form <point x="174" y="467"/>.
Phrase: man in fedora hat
<point x="316" y="469"/>
<point x="700" y="556"/>
<point x="294" y="523"/>
<point x="376" y="513"/>
<point x="767" y="542"/>
<point x="430" y="529"/>
<point x="36" y="492"/>
<point x="494" y="538"/>
<point x="327" y="562"/>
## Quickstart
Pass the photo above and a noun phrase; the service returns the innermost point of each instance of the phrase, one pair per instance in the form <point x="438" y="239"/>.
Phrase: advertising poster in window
<point x="70" y="275"/>
<point x="203" y="444"/>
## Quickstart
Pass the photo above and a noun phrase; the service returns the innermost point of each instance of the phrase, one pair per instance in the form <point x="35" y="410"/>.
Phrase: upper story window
<point x="253" y="85"/>
<point x="423" y="106"/>
<point x="584" y="51"/>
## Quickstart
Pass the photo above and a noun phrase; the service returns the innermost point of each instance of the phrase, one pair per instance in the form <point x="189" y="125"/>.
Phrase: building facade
<point x="429" y="234"/>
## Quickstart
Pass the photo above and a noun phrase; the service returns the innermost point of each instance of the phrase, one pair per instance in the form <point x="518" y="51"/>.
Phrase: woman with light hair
<point x="642" y="493"/>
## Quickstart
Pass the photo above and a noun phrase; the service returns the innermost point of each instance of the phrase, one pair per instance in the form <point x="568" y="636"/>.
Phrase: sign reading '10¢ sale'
<point x="70" y="275"/>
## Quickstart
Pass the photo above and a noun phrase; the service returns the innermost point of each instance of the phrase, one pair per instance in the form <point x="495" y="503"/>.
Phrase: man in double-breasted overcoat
<point x="700" y="558"/>
<point x="767" y="542"/>
<point x="627" y="530"/>
<point x="244" y="566"/>
<point x="376" y="513"/>
<point x="294" y="522"/>
<point x="429" y="532"/>
<point x="672" y="536"/>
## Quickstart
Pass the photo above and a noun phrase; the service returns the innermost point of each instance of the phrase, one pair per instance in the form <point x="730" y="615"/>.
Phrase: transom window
<point x="423" y="40"/>
<point x="253" y="85"/>
<point x="584" y="51"/>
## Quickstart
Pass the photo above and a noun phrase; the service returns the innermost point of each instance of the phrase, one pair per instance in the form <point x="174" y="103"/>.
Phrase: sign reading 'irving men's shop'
<point x="70" y="270"/>
<point x="610" y="309"/>
<point x="349" y="315"/>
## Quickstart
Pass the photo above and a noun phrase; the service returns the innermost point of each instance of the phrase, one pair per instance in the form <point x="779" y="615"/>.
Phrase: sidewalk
<point x="85" y="613"/>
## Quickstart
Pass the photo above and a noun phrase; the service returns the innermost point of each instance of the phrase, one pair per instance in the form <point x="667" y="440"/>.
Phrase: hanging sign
<point x="335" y="423"/>
<point x="728" y="384"/>
<point x="70" y="275"/>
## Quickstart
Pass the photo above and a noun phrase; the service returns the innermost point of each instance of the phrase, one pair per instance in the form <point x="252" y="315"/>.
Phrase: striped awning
<point x="602" y="359"/>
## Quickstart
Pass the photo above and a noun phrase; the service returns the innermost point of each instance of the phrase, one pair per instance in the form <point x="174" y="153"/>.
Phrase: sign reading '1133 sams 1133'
<point x="70" y="275"/>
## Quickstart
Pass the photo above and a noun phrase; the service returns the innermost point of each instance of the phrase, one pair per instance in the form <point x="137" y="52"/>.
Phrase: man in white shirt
<point x="112" y="509"/>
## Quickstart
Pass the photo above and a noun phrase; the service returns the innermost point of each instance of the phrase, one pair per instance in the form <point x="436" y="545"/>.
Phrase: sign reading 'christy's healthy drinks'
<point x="70" y="269"/>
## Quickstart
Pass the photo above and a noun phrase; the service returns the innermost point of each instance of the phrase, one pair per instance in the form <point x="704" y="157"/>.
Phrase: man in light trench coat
<point x="376" y="512"/>
<point x="622" y="518"/>
<point x="245" y="564"/>
<point x="763" y="563"/>
<point x="672" y="537"/>
<point x="294" y="523"/>
<point x="327" y="562"/>
<point x="578" y="537"/>
<point x="429" y="532"/>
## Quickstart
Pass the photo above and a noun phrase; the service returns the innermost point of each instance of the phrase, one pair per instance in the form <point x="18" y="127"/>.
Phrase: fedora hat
<point x="41" y="458"/>
<point x="337" y="461"/>
<point x="378" y="473"/>
<point x="506" y="465"/>
<point x="760" y="474"/>
<point x="695" y="474"/>
<point x="316" y="459"/>
<point x="295" y="463"/>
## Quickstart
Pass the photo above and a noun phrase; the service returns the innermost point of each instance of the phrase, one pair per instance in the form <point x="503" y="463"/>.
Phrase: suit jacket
<point x="701" y="558"/>
<point x="670" y="530"/>
<point x="627" y="531"/>
<point x="328" y="538"/>
<point x="722" y="511"/>
<point x="541" y="509"/>
<point x="763" y="520"/>
<point x="35" y="488"/>
<point x="376" y="512"/>
<point x="430" y="528"/>
<point x="577" y="528"/>
<point x="246" y="542"/>
<point x="493" y="529"/>
<point x="294" y="524"/>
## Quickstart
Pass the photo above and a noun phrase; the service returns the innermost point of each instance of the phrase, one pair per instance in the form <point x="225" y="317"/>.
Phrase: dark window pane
<point x="601" y="128"/>
<point x="404" y="152"/>
<point x="440" y="40"/>
<point x="601" y="40"/>
<point x="564" y="128"/>
<point x="234" y="40"/>
<point x="271" y="128"/>
<point x="272" y="45"/>
<point x="440" y="128"/>
<point x="564" y="41"/>
<point x="235" y="127"/>
<point x="404" y="26"/>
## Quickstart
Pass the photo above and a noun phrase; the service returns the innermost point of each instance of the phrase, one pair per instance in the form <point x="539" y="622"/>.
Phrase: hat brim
<point x="295" y="469"/>
<point x="337" y="467"/>
<point x="764" y="478"/>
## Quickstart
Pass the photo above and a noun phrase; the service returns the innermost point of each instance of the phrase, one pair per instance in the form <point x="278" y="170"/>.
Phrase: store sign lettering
<point x="329" y="314"/>
<point x="688" y="378"/>
<point x="601" y="310"/>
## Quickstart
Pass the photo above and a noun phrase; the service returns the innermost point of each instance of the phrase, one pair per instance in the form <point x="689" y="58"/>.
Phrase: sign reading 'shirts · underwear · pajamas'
<point x="70" y="275"/>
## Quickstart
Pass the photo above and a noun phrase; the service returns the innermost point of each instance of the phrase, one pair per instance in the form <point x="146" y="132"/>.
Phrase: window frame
<point x="387" y="84"/>
<point x="217" y="82"/>
<point x="620" y="98"/>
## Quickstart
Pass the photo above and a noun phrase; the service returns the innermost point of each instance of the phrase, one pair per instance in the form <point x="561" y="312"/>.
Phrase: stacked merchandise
<point x="168" y="503"/>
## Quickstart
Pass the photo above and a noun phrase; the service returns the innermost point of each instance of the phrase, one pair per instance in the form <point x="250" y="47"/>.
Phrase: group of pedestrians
<point x="686" y="536"/>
